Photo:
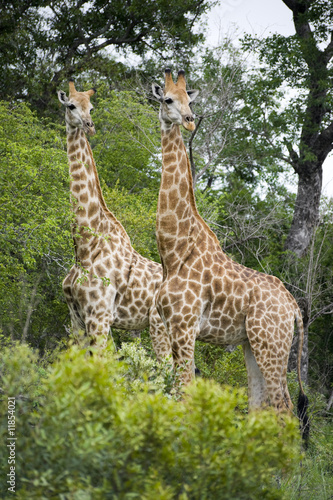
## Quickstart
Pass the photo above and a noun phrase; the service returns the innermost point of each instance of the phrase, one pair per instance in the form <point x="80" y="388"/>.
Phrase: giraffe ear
<point x="157" y="92"/>
<point x="62" y="97"/>
<point x="193" y="94"/>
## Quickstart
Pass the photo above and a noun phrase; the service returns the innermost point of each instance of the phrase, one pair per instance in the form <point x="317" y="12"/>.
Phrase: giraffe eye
<point x="168" y="100"/>
<point x="71" y="106"/>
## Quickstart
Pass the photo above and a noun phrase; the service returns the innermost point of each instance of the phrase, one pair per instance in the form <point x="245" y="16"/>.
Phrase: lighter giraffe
<point x="110" y="283"/>
<point x="205" y="295"/>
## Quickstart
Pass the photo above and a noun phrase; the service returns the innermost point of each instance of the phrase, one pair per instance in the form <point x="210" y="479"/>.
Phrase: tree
<point x="303" y="62"/>
<point x="47" y="41"/>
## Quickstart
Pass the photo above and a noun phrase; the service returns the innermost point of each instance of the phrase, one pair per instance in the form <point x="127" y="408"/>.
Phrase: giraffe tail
<point x="303" y="402"/>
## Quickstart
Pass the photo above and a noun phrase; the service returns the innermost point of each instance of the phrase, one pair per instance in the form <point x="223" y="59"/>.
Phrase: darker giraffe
<point x="205" y="295"/>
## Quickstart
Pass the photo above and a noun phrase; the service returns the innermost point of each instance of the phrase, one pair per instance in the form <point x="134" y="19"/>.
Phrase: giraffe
<point x="205" y="295"/>
<point x="110" y="284"/>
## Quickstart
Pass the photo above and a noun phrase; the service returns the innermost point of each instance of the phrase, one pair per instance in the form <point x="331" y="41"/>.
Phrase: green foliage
<point x="42" y="46"/>
<point x="238" y="142"/>
<point x="127" y="140"/>
<point x="213" y="412"/>
<point x="314" y="479"/>
<point x="143" y="370"/>
<point x="98" y="435"/>
<point x="35" y="243"/>
<point x="137" y="213"/>
<point x="20" y="377"/>
<point x="227" y="368"/>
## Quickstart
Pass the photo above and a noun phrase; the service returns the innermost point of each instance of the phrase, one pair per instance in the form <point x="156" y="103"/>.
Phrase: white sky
<point x="258" y="17"/>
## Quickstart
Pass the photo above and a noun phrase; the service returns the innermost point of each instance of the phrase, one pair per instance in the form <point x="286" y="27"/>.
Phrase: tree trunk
<point x="316" y="140"/>
<point x="306" y="211"/>
<point x="31" y="307"/>
<point x="330" y="402"/>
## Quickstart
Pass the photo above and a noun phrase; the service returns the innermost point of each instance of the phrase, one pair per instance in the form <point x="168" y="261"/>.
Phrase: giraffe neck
<point x="179" y="225"/>
<point x="88" y="204"/>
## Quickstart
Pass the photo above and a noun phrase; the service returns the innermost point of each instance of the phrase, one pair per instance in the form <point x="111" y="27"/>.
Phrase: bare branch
<point x="328" y="309"/>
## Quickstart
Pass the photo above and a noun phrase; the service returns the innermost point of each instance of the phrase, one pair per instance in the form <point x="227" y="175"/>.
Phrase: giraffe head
<point x="78" y="108"/>
<point x="175" y="101"/>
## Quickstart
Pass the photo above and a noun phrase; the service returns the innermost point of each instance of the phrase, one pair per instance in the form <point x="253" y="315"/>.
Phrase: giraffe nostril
<point x="189" y="118"/>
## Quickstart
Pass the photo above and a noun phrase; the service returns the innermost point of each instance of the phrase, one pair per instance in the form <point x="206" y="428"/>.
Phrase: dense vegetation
<point x="76" y="416"/>
<point x="107" y="429"/>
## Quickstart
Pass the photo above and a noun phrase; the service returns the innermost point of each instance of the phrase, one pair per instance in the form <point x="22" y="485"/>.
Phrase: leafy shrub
<point x="98" y="436"/>
<point x="127" y="141"/>
<point x="20" y="378"/>
<point x="224" y="367"/>
<point x="144" y="371"/>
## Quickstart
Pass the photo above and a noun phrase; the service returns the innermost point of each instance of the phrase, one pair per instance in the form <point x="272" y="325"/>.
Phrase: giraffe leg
<point x="159" y="336"/>
<point x="285" y="385"/>
<point x="273" y="364"/>
<point x="270" y="336"/>
<point x="99" y="313"/>
<point x="257" y="389"/>
<point x="98" y="332"/>
<point x="78" y="326"/>
<point x="78" y="329"/>
<point x="183" y="344"/>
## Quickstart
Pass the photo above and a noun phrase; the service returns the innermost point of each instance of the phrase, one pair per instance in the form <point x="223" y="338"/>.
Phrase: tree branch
<point x="328" y="52"/>
<point x="291" y="4"/>
<point x="325" y="310"/>
<point x="324" y="142"/>
<point x="294" y="158"/>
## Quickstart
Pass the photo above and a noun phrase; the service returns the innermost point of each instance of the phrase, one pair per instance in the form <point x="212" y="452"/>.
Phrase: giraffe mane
<point x="101" y="197"/>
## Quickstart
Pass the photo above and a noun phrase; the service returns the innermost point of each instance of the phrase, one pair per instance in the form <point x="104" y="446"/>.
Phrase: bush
<point x="98" y="436"/>
<point x="225" y="367"/>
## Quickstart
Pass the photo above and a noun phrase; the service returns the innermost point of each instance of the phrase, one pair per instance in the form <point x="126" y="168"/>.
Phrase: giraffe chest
<point x="122" y="293"/>
<point x="132" y="305"/>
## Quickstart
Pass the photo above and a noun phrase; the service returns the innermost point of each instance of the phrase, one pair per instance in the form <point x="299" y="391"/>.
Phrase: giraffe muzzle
<point x="89" y="128"/>
<point x="188" y="122"/>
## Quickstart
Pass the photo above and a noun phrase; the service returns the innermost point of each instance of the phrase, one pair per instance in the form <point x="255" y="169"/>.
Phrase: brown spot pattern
<point x="206" y="295"/>
<point x="125" y="298"/>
